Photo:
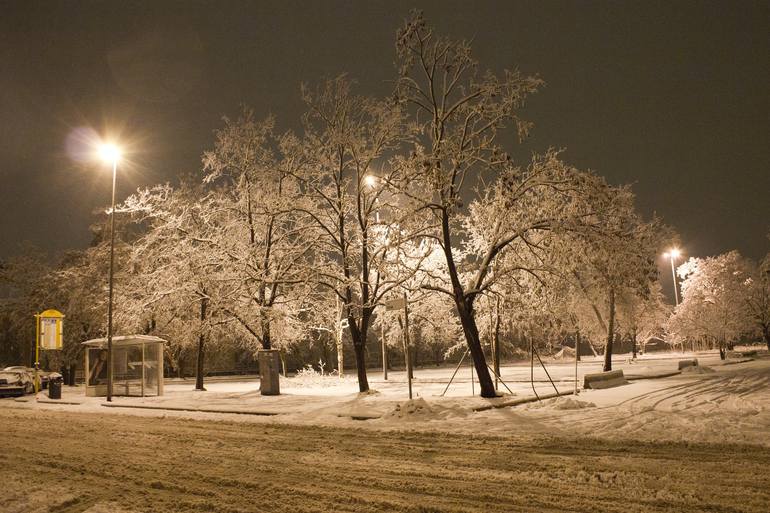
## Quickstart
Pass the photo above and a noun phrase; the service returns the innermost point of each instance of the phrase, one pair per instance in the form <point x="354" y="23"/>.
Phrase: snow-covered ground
<point x="633" y="448"/>
<point x="718" y="401"/>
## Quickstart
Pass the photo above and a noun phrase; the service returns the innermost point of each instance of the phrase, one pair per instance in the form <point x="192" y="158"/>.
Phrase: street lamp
<point x="673" y="254"/>
<point x="110" y="153"/>
<point x="370" y="181"/>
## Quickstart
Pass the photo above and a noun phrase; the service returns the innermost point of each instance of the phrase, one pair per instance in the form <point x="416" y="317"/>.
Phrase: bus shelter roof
<point x="124" y="340"/>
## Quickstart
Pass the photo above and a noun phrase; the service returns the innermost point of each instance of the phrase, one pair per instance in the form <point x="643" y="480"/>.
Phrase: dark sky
<point x="672" y="96"/>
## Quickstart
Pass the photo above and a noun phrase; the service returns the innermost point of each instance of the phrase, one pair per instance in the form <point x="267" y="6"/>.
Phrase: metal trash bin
<point x="54" y="389"/>
<point x="269" y="371"/>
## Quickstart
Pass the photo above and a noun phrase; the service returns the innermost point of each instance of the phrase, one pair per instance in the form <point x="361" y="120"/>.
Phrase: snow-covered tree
<point x="74" y="283"/>
<point x="433" y="323"/>
<point x="25" y="289"/>
<point x="758" y="298"/>
<point x="347" y="198"/>
<point x="323" y="318"/>
<point x="180" y="285"/>
<point x="233" y="242"/>
<point x="617" y="261"/>
<point x="643" y="313"/>
<point x="715" y="292"/>
<point x="458" y="112"/>
<point x="262" y="239"/>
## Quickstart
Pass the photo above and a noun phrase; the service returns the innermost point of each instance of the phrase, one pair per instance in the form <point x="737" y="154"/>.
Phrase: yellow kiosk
<point x="49" y="335"/>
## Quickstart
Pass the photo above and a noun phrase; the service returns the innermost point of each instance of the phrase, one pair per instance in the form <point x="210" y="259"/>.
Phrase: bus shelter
<point x="137" y="366"/>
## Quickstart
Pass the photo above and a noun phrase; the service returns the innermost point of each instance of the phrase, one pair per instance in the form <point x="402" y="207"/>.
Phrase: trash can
<point x="54" y="389"/>
<point x="269" y="371"/>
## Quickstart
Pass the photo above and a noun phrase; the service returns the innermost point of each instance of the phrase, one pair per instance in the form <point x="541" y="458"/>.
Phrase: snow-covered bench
<point x="604" y="379"/>
<point x="688" y="363"/>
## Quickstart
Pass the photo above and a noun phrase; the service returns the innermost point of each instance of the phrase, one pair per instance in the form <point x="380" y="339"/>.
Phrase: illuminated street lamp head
<point x="109" y="153"/>
<point x="673" y="253"/>
<point x="370" y="180"/>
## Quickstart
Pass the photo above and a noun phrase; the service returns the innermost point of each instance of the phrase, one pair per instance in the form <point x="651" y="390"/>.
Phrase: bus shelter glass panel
<point x="136" y="369"/>
<point x="97" y="366"/>
<point x="152" y="366"/>
<point x="126" y="370"/>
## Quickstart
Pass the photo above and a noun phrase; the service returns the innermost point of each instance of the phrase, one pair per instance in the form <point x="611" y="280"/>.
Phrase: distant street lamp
<point x="370" y="181"/>
<point x="673" y="254"/>
<point x="110" y="154"/>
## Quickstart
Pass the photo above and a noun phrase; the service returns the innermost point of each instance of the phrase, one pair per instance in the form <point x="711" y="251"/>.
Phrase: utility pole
<point x="384" y="352"/>
<point x="406" y="346"/>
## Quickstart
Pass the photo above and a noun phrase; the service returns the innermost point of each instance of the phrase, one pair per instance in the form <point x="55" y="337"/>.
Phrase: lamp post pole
<point x="673" y="275"/>
<point x="111" y="287"/>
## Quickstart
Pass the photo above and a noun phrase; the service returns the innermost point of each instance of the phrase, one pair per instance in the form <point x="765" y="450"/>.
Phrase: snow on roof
<point x="124" y="340"/>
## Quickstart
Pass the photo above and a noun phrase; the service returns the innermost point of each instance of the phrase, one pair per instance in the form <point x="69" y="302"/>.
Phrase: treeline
<point x="297" y="240"/>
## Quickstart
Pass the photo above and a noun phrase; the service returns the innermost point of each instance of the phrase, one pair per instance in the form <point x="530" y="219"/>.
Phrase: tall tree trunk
<point x="471" y="332"/>
<point x="610" y="332"/>
<point x="201" y="344"/>
<point x="496" y="340"/>
<point x="766" y="334"/>
<point x="633" y="344"/>
<point x="265" y="325"/>
<point x="465" y="312"/>
<point x="359" y="348"/>
<point x="358" y="333"/>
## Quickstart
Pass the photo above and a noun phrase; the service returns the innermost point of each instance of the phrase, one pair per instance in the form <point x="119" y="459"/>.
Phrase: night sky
<point x="673" y="97"/>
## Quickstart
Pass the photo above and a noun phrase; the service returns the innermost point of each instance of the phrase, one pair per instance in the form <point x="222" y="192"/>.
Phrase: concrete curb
<point x="742" y="360"/>
<point x="633" y="377"/>
<point x="202" y="410"/>
<point x="360" y="417"/>
<point x="236" y="412"/>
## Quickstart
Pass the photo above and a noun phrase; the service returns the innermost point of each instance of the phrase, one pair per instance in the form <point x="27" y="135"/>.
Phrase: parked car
<point x="16" y="382"/>
<point x="45" y="376"/>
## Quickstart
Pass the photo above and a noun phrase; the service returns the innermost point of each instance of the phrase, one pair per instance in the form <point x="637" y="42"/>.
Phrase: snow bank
<point x="421" y="410"/>
<point x="562" y="403"/>
<point x="412" y="408"/>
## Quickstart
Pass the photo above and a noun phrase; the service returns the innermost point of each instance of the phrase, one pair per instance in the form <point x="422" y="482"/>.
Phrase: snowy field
<point x="695" y="441"/>
<point x="718" y="401"/>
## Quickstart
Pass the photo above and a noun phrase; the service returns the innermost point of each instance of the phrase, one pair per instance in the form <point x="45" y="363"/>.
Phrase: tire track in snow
<point x="151" y="464"/>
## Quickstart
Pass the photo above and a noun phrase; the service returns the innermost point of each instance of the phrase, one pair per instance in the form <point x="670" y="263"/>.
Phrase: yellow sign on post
<point x="51" y="329"/>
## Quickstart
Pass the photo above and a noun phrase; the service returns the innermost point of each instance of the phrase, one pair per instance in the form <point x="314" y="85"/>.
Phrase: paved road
<point x="99" y="463"/>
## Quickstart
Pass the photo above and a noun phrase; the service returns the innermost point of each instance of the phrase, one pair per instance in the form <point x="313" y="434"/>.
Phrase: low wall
<point x="604" y="380"/>
<point x="688" y="363"/>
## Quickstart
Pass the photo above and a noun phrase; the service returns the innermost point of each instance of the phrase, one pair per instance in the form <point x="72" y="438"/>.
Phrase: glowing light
<point x="109" y="153"/>
<point x="672" y="253"/>
<point x="370" y="180"/>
